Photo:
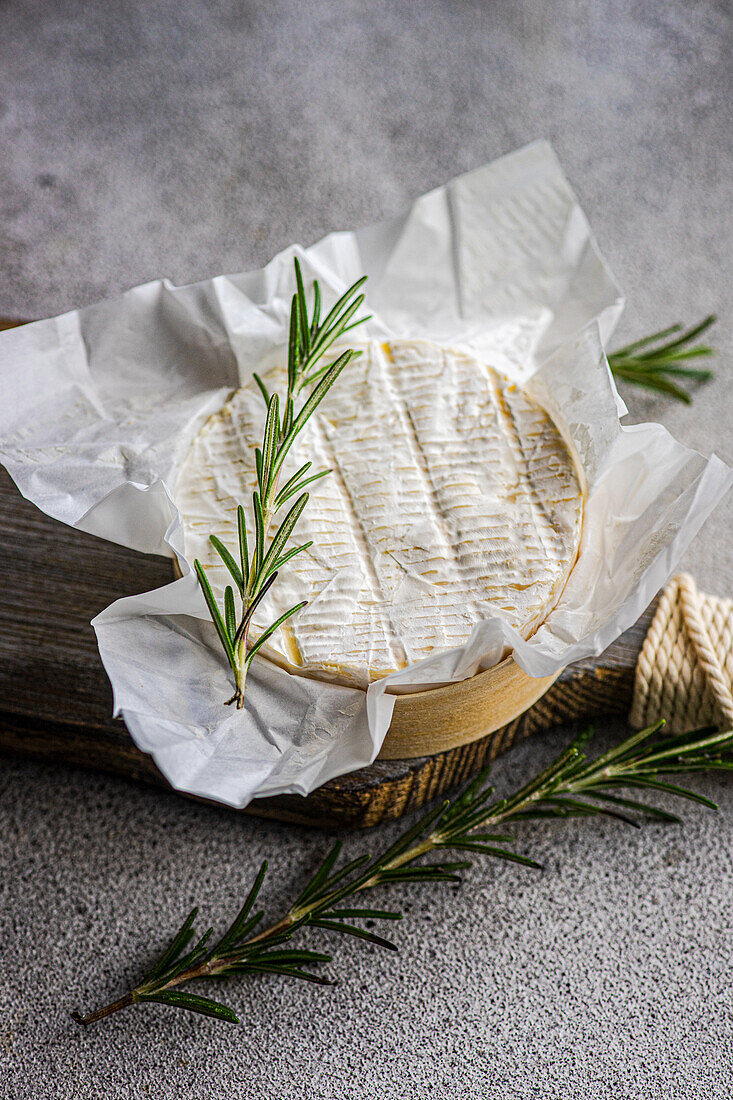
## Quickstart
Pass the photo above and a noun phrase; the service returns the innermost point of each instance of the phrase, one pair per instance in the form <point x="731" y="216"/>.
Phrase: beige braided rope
<point x="685" y="669"/>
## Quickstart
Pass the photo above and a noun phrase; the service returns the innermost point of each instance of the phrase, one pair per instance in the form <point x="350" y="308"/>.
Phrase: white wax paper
<point x="99" y="407"/>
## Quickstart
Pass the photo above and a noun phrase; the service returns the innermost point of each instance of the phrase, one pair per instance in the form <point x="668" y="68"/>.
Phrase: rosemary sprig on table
<point x="654" y="362"/>
<point x="572" y="786"/>
<point x="254" y="574"/>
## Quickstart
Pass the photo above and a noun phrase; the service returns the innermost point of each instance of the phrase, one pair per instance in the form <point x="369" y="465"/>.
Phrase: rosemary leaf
<point x="193" y="1003"/>
<point x="243" y="548"/>
<point x="234" y="931"/>
<point x="229" y="562"/>
<point x="291" y="554"/>
<point x="215" y="613"/>
<point x="286" y="971"/>
<point x="321" y="875"/>
<point x="284" y="496"/>
<point x="352" y="930"/>
<point x="179" y="941"/>
<point x="262" y="388"/>
<point x="256" y="646"/>
<point x="315" y="322"/>
<point x="365" y="914"/>
<point x="259" y="552"/>
<point x="272" y="432"/>
<point x="305" y="332"/>
<point x="230" y="612"/>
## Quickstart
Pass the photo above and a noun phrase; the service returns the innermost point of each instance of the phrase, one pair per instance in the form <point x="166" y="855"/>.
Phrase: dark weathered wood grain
<point x="56" y="702"/>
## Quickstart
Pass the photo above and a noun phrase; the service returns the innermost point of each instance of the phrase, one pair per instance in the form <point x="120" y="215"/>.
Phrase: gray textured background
<point x="185" y="138"/>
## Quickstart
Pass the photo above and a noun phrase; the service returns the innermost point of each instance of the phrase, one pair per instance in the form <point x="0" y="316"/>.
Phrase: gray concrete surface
<point x="185" y="138"/>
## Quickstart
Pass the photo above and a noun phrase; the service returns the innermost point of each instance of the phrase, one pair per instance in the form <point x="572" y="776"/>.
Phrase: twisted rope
<point x="685" y="669"/>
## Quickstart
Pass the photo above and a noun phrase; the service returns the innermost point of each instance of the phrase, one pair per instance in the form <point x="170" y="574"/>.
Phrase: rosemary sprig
<point x="572" y="786"/>
<point x="255" y="572"/>
<point x="654" y="361"/>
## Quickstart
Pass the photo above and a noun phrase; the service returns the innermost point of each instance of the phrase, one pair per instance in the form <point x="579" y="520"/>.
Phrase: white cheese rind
<point x="452" y="499"/>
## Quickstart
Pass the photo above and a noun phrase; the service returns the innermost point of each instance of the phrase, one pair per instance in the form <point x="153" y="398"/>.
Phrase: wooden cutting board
<point x="56" y="701"/>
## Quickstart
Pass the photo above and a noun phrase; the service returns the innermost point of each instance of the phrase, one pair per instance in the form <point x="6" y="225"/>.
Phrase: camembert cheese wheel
<point x="452" y="498"/>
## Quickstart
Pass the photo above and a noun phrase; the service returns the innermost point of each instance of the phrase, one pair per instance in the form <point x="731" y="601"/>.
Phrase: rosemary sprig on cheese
<point x="470" y="825"/>
<point x="655" y="362"/>
<point x="255" y="572"/>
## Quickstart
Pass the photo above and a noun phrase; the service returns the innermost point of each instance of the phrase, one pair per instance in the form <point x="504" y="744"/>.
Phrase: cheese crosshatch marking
<point x="453" y="498"/>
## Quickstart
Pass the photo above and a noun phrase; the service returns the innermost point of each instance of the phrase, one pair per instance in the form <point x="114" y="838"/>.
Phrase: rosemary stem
<point x="437" y="838"/>
<point x="569" y="787"/>
<point x="240" y="674"/>
<point x="106" y="1010"/>
<point x="199" y="970"/>
<point x="429" y="843"/>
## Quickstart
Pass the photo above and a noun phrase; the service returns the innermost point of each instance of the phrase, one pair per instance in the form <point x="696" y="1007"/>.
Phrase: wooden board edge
<point x="382" y="792"/>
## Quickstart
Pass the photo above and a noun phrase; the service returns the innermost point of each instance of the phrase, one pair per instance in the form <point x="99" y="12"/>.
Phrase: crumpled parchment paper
<point x="100" y="406"/>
